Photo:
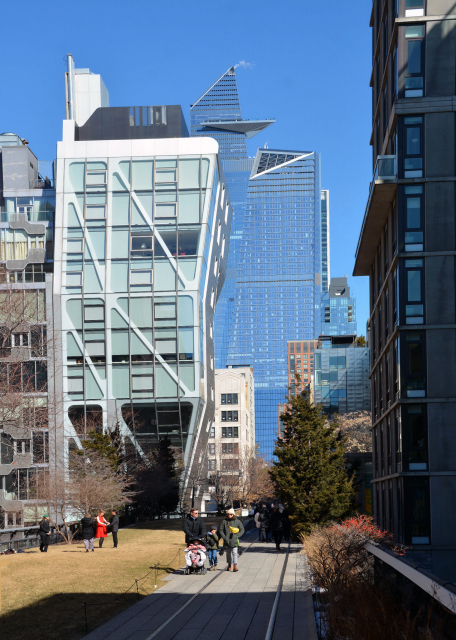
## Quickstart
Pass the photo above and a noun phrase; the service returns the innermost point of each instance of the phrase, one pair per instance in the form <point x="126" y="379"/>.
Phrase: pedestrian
<point x="231" y="530"/>
<point x="212" y="539"/>
<point x="286" y="523"/>
<point x="88" y="532"/>
<point x="102" y="528"/>
<point x="276" y="524"/>
<point x="44" y="532"/>
<point x="114" y="527"/>
<point x="257" y="519"/>
<point x="193" y="525"/>
<point x="263" y="518"/>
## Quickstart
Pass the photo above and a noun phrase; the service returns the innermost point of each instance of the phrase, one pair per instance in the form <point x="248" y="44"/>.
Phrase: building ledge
<point x="20" y="461"/>
<point x="21" y="221"/>
<point x="382" y="192"/>
<point x="35" y="256"/>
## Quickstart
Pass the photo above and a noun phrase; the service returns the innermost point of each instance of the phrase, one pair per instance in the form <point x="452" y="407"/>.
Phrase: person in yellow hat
<point x="231" y="530"/>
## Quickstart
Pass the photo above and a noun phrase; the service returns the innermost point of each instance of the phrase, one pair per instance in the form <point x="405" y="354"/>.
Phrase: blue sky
<point x="309" y="67"/>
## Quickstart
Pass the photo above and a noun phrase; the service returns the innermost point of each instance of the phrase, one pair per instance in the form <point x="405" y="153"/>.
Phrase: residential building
<point x="325" y="244"/>
<point x="232" y="435"/>
<point x="142" y="235"/>
<point x="338" y="309"/>
<point x="341" y="381"/>
<point x="27" y="204"/>
<point x="217" y="114"/>
<point x="278" y="287"/>
<point x="407" y="247"/>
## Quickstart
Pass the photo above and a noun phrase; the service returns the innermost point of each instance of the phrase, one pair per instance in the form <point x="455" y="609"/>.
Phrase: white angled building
<point x="141" y="244"/>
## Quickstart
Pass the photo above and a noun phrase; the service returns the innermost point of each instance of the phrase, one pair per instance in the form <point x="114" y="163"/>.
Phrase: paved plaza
<point x="225" y="605"/>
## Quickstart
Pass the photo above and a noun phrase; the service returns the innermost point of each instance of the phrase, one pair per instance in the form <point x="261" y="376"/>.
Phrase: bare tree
<point x="356" y="428"/>
<point x="86" y="483"/>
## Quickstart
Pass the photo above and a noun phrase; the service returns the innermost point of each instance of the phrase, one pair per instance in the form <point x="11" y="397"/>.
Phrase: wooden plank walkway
<point x="234" y="605"/>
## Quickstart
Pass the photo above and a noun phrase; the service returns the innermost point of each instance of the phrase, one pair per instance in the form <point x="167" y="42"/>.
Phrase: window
<point x="415" y="365"/>
<point x="420" y="521"/>
<point x="211" y="465"/>
<point x="141" y="246"/>
<point x="414" y="8"/>
<point x="414" y="295"/>
<point x="415" y="414"/>
<point x="230" y="464"/>
<point x="76" y="385"/>
<point x="230" y="416"/>
<point x="230" y="448"/>
<point x="142" y="382"/>
<point x="415" y="65"/>
<point x="212" y="433"/>
<point x="211" y="449"/>
<point x="95" y="207"/>
<point x="413" y="151"/>
<point x="230" y="432"/>
<point x="93" y="313"/>
<point x="20" y="340"/>
<point x="229" y="398"/>
<point x="413" y="235"/>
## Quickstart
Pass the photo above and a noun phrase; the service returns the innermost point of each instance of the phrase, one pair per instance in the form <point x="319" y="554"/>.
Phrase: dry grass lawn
<point x="42" y="595"/>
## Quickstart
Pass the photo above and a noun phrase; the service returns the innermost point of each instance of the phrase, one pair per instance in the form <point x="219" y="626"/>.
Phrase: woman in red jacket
<point x="102" y="525"/>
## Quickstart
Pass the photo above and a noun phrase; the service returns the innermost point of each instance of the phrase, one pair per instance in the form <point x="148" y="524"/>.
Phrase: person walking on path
<point x="193" y="525"/>
<point x="102" y="528"/>
<point x="88" y="532"/>
<point x="276" y="524"/>
<point x="212" y="540"/>
<point x="44" y="532"/>
<point x="263" y="519"/>
<point x="286" y="524"/>
<point x="114" y="527"/>
<point x="231" y="530"/>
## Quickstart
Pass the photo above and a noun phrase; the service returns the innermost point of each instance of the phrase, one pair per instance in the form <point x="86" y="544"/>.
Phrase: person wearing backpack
<point x="231" y="530"/>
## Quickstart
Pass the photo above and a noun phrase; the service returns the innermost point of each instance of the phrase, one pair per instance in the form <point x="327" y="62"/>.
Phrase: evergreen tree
<point x="309" y="472"/>
<point x="105" y="444"/>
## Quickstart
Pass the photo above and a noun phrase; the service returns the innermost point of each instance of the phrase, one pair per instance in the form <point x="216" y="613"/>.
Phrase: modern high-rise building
<point x="278" y="286"/>
<point x="27" y="203"/>
<point x="142" y="235"/>
<point x="407" y="247"/>
<point x="325" y="244"/>
<point x="338" y="309"/>
<point x="217" y="114"/>
<point x="341" y="381"/>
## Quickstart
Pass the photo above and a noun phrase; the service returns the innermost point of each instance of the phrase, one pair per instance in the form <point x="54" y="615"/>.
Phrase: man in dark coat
<point x="114" y="527"/>
<point x="44" y="532"/>
<point x="193" y="525"/>
<point x="276" y="524"/>
<point x="88" y="532"/>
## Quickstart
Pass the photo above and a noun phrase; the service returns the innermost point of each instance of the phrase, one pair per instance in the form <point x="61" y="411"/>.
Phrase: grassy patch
<point x="43" y="593"/>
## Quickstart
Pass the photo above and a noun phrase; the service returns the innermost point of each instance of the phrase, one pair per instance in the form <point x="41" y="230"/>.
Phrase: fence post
<point x="137" y="591"/>
<point x="155" y="576"/>
<point x="85" y="615"/>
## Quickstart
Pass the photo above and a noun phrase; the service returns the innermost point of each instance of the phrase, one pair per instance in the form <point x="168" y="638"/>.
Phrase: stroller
<point x="195" y="555"/>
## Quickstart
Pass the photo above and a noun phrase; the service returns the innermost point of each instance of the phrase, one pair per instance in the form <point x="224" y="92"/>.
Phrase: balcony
<point x="382" y="192"/>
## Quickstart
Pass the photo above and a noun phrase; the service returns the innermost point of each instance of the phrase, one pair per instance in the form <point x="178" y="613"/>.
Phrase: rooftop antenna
<point x="70" y="88"/>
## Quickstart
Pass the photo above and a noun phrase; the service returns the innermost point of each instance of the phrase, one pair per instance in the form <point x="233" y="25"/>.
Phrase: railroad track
<point x="272" y="617"/>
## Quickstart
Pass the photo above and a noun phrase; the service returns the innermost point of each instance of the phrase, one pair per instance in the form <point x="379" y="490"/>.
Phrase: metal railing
<point x="385" y="170"/>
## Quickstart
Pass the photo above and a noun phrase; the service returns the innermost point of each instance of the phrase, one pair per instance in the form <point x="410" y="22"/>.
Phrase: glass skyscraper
<point x="338" y="309"/>
<point x="278" y="288"/>
<point x="217" y="114"/>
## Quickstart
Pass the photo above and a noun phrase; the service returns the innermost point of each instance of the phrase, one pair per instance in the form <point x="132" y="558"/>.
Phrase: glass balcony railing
<point x="385" y="168"/>
<point x="32" y="216"/>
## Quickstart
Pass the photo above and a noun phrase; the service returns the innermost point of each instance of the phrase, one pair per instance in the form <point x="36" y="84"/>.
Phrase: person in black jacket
<point x="114" y="527"/>
<point x="44" y="532"/>
<point x="88" y="532"/>
<point x="276" y="524"/>
<point x="193" y="525"/>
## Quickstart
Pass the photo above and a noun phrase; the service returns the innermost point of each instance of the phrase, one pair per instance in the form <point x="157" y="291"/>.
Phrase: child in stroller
<point x="195" y="555"/>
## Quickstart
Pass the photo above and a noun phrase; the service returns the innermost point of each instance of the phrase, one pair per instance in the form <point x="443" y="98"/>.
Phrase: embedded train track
<point x="272" y="617"/>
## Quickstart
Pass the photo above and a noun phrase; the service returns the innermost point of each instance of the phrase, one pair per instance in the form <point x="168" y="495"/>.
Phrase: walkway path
<point x="223" y="605"/>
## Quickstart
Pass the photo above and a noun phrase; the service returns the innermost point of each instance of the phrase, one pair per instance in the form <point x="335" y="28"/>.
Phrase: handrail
<point x="431" y="584"/>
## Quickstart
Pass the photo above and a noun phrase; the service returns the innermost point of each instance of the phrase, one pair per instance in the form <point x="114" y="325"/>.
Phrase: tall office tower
<point x="278" y="287"/>
<point x="142" y="235"/>
<point x="325" y="245"/>
<point x="407" y="247"/>
<point x="217" y="114"/>
<point x="338" y="309"/>
<point x="27" y="201"/>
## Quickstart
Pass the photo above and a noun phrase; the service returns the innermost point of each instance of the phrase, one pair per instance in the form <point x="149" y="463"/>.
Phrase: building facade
<point x="341" y="381"/>
<point x="232" y="436"/>
<point x="338" y="309"/>
<point x="142" y="234"/>
<point x="217" y="114"/>
<point x="325" y="242"/>
<point x="407" y="247"/>
<point x="27" y="204"/>
<point x="278" y="286"/>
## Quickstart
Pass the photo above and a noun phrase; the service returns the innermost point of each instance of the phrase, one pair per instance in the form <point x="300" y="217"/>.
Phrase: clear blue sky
<point x="309" y="67"/>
